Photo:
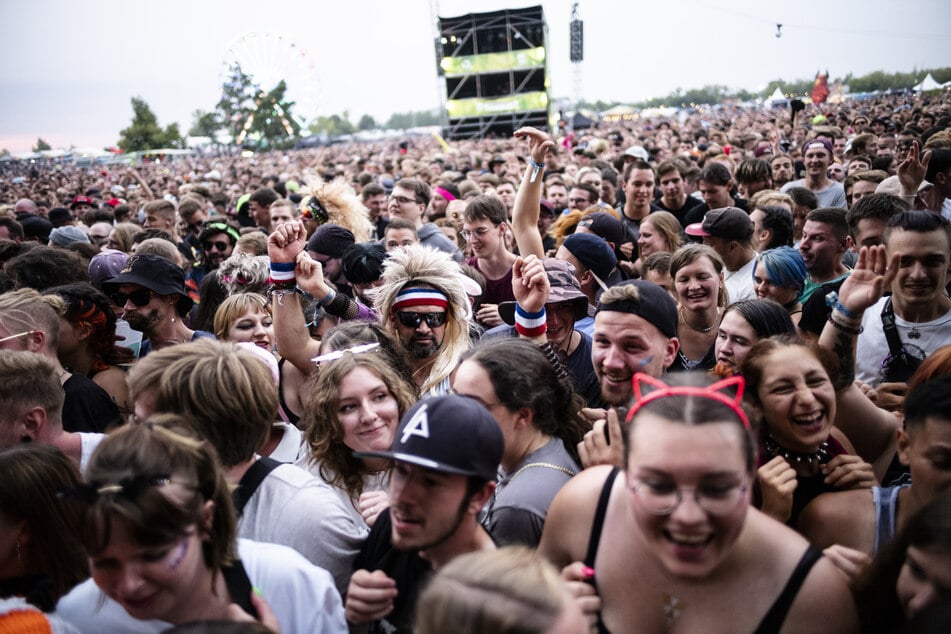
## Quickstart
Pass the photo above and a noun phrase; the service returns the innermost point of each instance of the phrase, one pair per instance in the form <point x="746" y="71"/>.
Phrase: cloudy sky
<point x="69" y="68"/>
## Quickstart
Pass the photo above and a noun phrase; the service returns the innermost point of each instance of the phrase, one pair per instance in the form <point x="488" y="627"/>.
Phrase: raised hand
<point x="530" y="283"/>
<point x="539" y="143"/>
<point x="872" y="275"/>
<point x="286" y="241"/>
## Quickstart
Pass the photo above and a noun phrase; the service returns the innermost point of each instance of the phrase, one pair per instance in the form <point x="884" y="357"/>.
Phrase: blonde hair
<point x="234" y="307"/>
<point x="343" y="207"/>
<point x="420" y="266"/>
<point x="512" y="590"/>
<point x="667" y="224"/>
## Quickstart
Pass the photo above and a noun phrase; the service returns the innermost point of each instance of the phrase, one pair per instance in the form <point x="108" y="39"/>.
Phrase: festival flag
<point x="820" y="90"/>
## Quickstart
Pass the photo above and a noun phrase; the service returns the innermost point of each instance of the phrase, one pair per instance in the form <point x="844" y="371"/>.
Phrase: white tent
<point x="927" y="84"/>
<point x="776" y="97"/>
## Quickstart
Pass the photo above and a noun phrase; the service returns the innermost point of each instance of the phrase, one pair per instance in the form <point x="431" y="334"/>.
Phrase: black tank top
<point x="772" y="623"/>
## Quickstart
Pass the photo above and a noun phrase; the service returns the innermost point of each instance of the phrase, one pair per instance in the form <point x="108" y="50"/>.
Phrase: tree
<point x="272" y="120"/>
<point x="237" y="100"/>
<point x="204" y="124"/>
<point x="246" y="110"/>
<point x="367" y="123"/>
<point x="145" y="132"/>
<point x="41" y="146"/>
<point x="334" y="125"/>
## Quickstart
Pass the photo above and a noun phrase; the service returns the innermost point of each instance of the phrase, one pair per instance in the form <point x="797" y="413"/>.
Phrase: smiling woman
<point x="157" y="521"/>
<point x="677" y="530"/>
<point x="791" y="384"/>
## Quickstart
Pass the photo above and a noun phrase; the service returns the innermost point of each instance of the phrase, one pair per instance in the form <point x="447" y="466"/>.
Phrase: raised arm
<point x="527" y="200"/>
<point x="290" y="329"/>
<point x="870" y="429"/>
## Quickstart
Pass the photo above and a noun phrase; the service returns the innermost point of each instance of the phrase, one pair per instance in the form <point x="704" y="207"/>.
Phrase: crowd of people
<point x="667" y="375"/>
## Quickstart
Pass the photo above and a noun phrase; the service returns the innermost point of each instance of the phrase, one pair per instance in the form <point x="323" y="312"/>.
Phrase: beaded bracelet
<point x="846" y="329"/>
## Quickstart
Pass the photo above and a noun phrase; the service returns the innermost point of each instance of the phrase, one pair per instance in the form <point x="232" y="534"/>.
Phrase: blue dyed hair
<point x="784" y="267"/>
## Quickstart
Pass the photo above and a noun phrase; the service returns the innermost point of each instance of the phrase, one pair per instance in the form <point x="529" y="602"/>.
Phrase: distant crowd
<point x="667" y="374"/>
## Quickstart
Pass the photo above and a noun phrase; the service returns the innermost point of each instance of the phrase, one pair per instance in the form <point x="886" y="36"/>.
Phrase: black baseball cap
<point x="452" y="434"/>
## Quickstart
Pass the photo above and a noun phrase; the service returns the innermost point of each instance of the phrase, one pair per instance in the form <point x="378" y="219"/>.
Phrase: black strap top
<point x="773" y="620"/>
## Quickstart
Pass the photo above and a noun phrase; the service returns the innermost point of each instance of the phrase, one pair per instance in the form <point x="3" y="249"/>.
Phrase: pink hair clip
<point x="717" y="392"/>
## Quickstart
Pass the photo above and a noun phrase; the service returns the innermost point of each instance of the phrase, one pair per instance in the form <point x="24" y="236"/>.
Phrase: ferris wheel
<point x="269" y="57"/>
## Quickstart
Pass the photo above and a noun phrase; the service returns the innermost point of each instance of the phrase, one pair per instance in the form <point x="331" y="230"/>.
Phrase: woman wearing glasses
<point x="675" y="529"/>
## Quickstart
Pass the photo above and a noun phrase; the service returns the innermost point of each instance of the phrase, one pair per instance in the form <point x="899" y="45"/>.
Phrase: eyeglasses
<point x="19" y="334"/>
<point x="220" y="245"/>
<point x="478" y="233"/>
<point x="663" y="498"/>
<point x="413" y="320"/>
<point x="140" y="297"/>
<point x="579" y="203"/>
<point x="402" y="200"/>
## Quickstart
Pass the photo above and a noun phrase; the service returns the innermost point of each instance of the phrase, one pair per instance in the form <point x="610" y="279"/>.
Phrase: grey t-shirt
<point x="516" y="514"/>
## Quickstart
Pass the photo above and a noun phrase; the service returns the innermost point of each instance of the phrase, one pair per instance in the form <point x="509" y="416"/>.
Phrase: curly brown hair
<point x="323" y="432"/>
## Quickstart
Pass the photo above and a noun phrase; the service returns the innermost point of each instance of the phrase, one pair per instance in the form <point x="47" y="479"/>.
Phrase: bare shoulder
<point x="571" y="516"/>
<point x="846" y="518"/>
<point x="824" y="603"/>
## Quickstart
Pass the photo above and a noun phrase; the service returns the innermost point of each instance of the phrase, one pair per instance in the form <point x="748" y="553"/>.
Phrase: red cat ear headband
<point x="720" y="392"/>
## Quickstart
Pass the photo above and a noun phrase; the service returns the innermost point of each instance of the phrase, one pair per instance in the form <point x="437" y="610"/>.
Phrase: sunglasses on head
<point x="413" y="320"/>
<point x="140" y="297"/>
<point x="221" y="245"/>
<point x="315" y="211"/>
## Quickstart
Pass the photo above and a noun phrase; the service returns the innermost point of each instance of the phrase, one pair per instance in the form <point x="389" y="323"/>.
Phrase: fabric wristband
<point x="530" y="325"/>
<point x="282" y="271"/>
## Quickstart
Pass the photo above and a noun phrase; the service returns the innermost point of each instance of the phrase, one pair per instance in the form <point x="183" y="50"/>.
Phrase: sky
<point x="69" y="68"/>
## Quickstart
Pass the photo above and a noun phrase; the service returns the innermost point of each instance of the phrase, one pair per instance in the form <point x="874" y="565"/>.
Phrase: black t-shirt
<point x="681" y="213"/>
<point x="87" y="407"/>
<point x="815" y="313"/>
<point x="407" y="569"/>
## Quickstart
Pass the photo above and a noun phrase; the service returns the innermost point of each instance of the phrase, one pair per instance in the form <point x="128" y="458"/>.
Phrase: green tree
<point x="334" y="125"/>
<point x="272" y="121"/>
<point x="204" y="124"/>
<point x="41" y="146"/>
<point x="237" y="100"/>
<point x="145" y="132"/>
<point x="367" y="123"/>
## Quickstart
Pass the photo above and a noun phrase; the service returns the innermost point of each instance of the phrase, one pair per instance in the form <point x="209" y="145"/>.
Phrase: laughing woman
<point x="697" y="272"/>
<point x="791" y="384"/>
<point x="676" y="529"/>
<point x="157" y="521"/>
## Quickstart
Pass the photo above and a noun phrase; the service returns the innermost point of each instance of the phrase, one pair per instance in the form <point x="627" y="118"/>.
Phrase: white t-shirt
<point x="88" y="442"/>
<point x="739" y="283"/>
<point x="872" y="348"/>
<point x="302" y="596"/>
<point x="294" y="508"/>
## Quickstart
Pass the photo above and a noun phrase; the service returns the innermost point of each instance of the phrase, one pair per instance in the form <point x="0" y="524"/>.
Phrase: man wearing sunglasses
<point x="423" y="302"/>
<point x="150" y="292"/>
<point x="216" y="241"/>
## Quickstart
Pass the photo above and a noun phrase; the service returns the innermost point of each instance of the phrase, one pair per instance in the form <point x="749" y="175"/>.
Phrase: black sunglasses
<point x="221" y="245"/>
<point x="140" y="297"/>
<point x="413" y="320"/>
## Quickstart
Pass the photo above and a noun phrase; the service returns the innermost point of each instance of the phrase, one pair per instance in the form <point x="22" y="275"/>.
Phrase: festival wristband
<point x="530" y="325"/>
<point x="536" y="167"/>
<point x="282" y="271"/>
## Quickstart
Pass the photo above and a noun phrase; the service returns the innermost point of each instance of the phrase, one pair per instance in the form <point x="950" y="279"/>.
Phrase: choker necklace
<point x="820" y="456"/>
<point x="683" y="318"/>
